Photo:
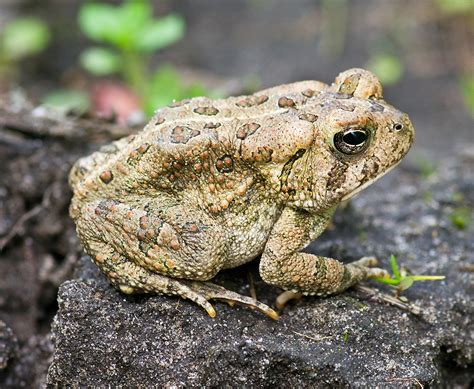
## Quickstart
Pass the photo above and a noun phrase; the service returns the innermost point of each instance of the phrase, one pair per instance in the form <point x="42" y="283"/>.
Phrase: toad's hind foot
<point x="197" y="291"/>
<point x="209" y="291"/>
<point x="132" y="278"/>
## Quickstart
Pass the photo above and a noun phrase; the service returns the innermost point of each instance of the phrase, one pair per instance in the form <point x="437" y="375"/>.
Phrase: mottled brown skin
<point x="212" y="184"/>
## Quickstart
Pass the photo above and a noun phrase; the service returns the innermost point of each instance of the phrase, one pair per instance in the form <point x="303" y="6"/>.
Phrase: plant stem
<point x="135" y="72"/>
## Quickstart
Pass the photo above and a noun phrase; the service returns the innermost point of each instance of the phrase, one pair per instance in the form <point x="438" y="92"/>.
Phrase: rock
<point x="29" y="367"/>
<point x="105" y="338"/>
<point x="23" y="365"/>
<point x="8" y="347"/>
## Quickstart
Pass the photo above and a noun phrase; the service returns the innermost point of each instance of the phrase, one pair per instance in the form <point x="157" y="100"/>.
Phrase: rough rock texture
<point x="38" y="243"/>
<point x="8" y="346"/>
<point x="105" y="338"/>
<point x="23" y="365"/>
<point x="29" y="364"/>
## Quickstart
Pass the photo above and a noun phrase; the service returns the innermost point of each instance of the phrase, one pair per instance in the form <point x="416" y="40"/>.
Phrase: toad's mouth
<point x="368" y="183"/>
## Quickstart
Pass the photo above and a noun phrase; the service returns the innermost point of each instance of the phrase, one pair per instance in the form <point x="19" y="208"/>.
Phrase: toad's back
<point x="214" y="145"/>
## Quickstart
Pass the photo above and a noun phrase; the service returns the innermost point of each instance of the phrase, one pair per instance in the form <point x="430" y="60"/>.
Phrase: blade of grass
<point x="395" y="271"/>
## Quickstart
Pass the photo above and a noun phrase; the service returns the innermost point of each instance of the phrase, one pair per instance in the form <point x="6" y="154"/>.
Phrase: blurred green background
<point x="147" y="53"/>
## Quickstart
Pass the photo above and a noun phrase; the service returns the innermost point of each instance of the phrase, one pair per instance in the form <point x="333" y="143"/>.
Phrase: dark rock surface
<point x="105" y="338"/>
<point x="38" y="243"/>
<point x="29" y="365"/>
<point x="8" y="346"/>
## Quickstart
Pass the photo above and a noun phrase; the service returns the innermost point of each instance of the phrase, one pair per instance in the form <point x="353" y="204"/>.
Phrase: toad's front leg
<point x="284" y="266"/>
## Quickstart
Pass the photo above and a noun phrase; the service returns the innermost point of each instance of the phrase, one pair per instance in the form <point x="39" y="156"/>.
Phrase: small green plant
<point x="345" y="335"/>
<point x="456" y="6"/>
<point x="21" y="38"/>
<point x="133" y="35"/>
<point x="426" y="166"/>
<point x="386" y="67"/>
<point x="67" y="101"/>
<point x="460" y="218"/>
<point x="401" y="281"/>
<point x="466" y="84"/>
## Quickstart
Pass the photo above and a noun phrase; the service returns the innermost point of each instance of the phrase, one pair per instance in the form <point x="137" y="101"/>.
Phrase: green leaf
<point x="427" y="166"/>
<point x="100" y="22"/>
<point x="23" y="37"/>
<point x="405" y="283"/>
<point x="427" y="278"/>
<point x="387" y="68"/>
<point x="346" y="335"/>
<point x="395" y="271"/>
<point x="456" y="6"/>
<point x="460" y="217"/>
<point x="134" y="14"/>
<point x="467" y="89"/>
<point x="67" y="100"/>
<point x="160" y="33"/>
<point x="165" y="86"/>
<point x="121" y="26"/>
<point x="100" y="61"/>
<point x="195" y="90"/>
<point x="384" y="280"/>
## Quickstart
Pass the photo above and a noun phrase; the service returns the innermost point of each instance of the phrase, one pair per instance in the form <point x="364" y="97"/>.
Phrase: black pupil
<point x="354" y="138"/>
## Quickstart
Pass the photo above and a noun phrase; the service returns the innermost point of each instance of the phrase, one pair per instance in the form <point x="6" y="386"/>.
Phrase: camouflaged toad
<point x="212" y="184"/>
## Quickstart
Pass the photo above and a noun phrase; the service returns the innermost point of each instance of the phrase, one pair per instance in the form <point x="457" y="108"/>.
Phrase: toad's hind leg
<point x="131" y="278"/>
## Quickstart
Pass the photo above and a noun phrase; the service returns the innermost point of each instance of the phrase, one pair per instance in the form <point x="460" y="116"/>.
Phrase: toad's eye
<point x="351" y="141"/>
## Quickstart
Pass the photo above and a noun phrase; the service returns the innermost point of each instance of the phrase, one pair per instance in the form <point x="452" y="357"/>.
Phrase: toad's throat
<point x="368" y="183"/>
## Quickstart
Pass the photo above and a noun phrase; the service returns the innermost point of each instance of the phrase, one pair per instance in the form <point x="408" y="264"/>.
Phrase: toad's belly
<point x="248" y="233"/>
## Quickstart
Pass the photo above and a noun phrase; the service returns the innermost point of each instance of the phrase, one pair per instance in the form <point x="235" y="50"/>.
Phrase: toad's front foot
<point x="350" y="274"/>
<point x="365" y="266"/>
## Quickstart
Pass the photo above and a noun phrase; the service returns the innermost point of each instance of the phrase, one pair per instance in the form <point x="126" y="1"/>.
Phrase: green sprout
<point x="460" y="218"/>
<point x="133" y="36"/>
<point x="345" y="335"/>
<point x="386" y="67"/>
<point x="426" y="166"/>
<point x="21" y="38"/>
<point x="67" y="101"/>
<point x="466" y="84"/>
<point x="401" y="280"/>
<point x="456" y="6"/>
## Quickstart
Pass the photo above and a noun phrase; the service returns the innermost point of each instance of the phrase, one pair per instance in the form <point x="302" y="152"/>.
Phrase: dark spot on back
<point x="182" y="134"/>
<point x="225" y="164"/>
<point x="309" y="93"/>
<point x="247" y="129"/>
<point x="106" y="176"/>
<point x="209" y="111"/>
<point x="212" y="125"/>
<point x="285" y="102"/>
<point x="309" y="117"/>
<point x="251" y="101"/>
